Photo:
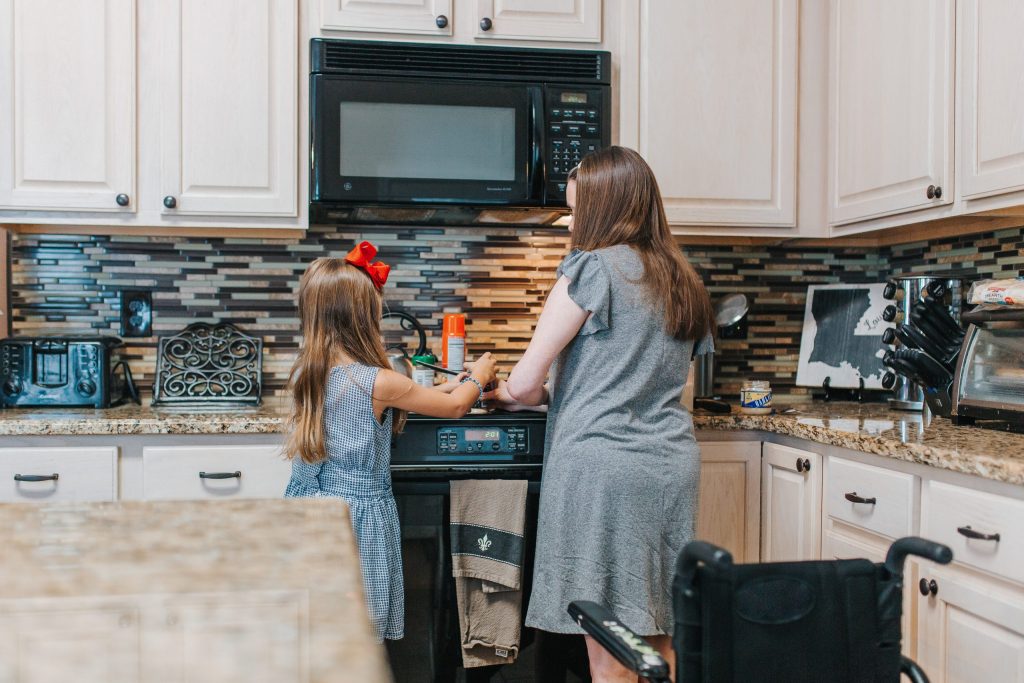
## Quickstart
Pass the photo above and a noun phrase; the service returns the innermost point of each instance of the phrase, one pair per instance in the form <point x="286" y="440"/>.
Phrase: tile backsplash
<point x="498" y="277"/>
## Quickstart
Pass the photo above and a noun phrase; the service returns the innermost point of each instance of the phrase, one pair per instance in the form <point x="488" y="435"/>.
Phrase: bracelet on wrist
<point x="477" y="383"/>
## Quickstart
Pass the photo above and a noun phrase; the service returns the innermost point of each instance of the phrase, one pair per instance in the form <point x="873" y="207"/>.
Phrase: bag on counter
<point x="1007" y="292"/>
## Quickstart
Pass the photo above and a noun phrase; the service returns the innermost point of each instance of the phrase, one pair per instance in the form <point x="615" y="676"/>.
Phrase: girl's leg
<point x="604" y="668"/>
<point x="663" y="644"/>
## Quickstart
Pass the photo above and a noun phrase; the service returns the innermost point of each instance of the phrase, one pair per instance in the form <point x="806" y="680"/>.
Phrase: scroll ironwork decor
<point x="208" y="364"/>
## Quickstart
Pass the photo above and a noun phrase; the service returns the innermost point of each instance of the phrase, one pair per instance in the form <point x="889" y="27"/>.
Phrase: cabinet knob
<point x="486" y="24"/>
<point x="928" y="587"/>
<point x="441" y="21"/>
<point x="803" y="465"/>
<point x="170" y="202"/>
<point x="934" y="192"/>
<point x="121" y="199"/>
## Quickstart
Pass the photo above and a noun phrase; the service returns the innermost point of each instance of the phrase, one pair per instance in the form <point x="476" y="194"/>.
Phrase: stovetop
<point x="498" y="439"/>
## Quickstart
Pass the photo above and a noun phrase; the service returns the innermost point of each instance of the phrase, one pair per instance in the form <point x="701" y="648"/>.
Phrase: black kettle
<point x="398" y="357"/>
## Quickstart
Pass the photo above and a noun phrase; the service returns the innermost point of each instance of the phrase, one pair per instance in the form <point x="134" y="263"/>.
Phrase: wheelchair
<point x="777" y="622"/>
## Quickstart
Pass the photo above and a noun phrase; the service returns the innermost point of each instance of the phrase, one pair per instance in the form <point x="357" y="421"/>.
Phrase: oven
<point x="425" y="459"/>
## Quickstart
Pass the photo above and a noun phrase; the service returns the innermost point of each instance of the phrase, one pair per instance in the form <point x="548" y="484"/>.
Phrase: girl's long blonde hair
<point x="340" y="309"/>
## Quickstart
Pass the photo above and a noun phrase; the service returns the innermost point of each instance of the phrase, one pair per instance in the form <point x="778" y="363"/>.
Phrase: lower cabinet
<point x="790" y="504"/>
<point x="730" y="493"/>
<point x="58" y="475"/>
<point x="213" y="472"/>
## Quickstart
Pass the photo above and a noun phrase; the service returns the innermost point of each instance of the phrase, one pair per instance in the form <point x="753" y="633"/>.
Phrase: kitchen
<point x="159" y="154"/>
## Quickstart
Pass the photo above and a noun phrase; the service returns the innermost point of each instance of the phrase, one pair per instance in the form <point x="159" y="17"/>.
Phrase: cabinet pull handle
<point x="36" y="477"/>
<point x="803" y="465"/>
<point x="934" y="192"/>
<point x="854" y="498"/>
<point x="220" y="475"/>
<point x="928" y="587"/>
<point x="441" y="21"/>
<point x="121" y="199"/>
<point x="170" y="202"/>
<point x="971" y="533"/>
<point x="486" y="24"/>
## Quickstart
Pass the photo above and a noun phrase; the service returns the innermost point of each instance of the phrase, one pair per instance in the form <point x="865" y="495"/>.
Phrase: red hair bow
<point x="360" y="257"/>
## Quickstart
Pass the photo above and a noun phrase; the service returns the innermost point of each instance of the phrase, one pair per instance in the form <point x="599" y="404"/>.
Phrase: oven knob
<point x="86" y="387"/>
<point x="12" y="386"/>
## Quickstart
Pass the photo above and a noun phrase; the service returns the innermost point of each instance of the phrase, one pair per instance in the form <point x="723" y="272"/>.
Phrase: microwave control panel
<point x="576" y="122"/>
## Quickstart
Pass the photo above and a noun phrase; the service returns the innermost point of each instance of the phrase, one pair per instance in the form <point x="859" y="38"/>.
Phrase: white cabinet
<point x="991" y="111"/>
<point x="873" y="498"/>
<point x="228" y="115"/>
<point x="67" y="88"/>
<point x="971" y="629"/>
<point x="891" y="107"/>
<point x="730" y="497"/>
<point x="214" y="472"/>
<point x="790" y="504"/>
<point x="708" y="95"/>
<point x="563" y="20"/>
<point x="51" y="475"/>
<point x="426" y="17"/>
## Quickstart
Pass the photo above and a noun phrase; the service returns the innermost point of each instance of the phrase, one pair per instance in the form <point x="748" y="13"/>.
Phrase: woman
<point x="617" y="333"/>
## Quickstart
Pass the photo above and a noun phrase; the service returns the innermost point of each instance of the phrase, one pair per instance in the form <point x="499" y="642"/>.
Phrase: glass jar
<point x="756" y="397"/>
<point x="421" y="375"/>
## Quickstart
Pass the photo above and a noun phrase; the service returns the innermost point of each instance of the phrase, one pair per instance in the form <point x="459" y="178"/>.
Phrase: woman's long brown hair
<point x="618" y="202"/>
<point x="340" y="310"/>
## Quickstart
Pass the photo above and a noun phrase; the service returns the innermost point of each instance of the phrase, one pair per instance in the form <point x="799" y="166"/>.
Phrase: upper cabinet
<point x="568" y="20"/>
<point x="67" y="80"/>
<point x="426" y="17"/>
<point x="891" y="107"/>
<point x="228" y="118"/>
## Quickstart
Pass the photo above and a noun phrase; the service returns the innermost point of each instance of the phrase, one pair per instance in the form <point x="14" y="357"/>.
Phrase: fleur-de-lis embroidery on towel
<point x="484" y="543"/>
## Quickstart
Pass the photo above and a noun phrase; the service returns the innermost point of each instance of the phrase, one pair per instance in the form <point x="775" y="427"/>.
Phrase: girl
<point x="617" y="333"/>
<point x="347" y="404"/>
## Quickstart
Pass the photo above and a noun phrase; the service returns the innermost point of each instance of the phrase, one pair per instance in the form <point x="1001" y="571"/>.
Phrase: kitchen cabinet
<point x="709" y="96"/>
<point x="58" y="474"/>
<point x="67" y="81"/>
<point x="790" y="504"/>
<point x="561" y="20"/>
<point x="891" y="107"/>
<point x="423" y="17"/>
<point x="729" y="511"/>
<point x="228" y="115"/>
<point x="213" y="472"/>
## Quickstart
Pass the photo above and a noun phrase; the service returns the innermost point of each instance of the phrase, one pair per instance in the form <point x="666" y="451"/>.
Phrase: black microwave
<point x="450" y="133"/>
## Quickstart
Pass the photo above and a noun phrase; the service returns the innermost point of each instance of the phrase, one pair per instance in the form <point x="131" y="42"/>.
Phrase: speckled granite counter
<point x="871" y="428"/>
<point x="232" y="590"/>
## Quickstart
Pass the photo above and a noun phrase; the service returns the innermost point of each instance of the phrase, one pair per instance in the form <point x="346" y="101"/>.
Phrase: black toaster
<point x="66" y="370"/>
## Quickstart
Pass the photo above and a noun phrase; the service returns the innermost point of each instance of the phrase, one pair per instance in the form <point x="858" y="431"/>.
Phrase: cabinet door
<point x="52" y="475"/>
<point x="570" y="20"/>
<point x="430" y="17"/>
<point x="214" y="472"/>
<point x="970" y="630"/>
<point x="715" y="114"/>
<point x="229" y="109"/>
<point x="67" y="85"/>
<point x="730" y="497"/>
<point x="992" y="96"/>
<point x="790" y="504"/>
<point x="891" y="109"/>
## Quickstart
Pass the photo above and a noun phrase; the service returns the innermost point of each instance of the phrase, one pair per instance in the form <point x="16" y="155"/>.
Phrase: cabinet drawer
<point x="52" y="475"/>
<point x="891" y="514"/>
<point x="950" y="508"/>
<point x="197" y="472"/>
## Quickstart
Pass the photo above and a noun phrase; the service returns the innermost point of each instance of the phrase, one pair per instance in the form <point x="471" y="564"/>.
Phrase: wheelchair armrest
<point x="629" y="649"/>
<point x="912" y="670"/>
<point x="913" y="545"/>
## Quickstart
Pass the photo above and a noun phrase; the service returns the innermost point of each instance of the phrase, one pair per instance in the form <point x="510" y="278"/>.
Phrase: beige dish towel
<point x="487" y="520"/>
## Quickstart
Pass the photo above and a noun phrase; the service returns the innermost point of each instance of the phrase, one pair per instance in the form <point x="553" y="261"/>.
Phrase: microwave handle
<point x="538" y="143"/>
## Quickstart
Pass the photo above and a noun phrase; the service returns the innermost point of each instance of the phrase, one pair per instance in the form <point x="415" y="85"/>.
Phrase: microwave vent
<point x="460" y="61"/>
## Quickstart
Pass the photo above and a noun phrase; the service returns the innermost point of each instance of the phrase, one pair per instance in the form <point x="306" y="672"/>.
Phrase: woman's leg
<point x="604" y="668"/>
<point x="663" y="644"/>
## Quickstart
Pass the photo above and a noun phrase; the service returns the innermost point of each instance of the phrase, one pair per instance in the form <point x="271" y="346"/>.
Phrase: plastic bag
<point x="1008" y="292"/>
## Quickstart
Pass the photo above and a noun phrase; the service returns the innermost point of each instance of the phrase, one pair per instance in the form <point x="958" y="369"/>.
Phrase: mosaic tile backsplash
<point x="498" y="277"/>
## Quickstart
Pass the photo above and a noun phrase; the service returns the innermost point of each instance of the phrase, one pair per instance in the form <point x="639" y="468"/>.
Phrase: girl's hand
<point x="452" y="383"/>
<point x="483" y="369"/>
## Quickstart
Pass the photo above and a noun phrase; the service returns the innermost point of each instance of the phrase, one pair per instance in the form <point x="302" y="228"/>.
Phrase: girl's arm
<point x="559" y="322"/>
<point x="392" y="390"/>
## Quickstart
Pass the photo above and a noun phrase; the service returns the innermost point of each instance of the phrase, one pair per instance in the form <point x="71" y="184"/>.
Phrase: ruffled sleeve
<point x="589" y="287"/>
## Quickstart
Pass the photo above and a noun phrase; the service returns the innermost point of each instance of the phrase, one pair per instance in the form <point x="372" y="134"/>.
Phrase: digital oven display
<point x="482" y="435"/>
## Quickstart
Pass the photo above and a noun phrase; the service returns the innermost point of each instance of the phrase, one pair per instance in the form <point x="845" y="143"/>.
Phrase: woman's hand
<point x="483" y="369"/>
<point x="500" y="398"/>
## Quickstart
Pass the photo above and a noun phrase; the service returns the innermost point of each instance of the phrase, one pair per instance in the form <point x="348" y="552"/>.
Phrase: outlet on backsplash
<point x="136" y="313"/>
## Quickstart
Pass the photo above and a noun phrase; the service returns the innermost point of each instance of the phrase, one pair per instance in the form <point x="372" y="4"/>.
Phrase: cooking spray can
<point x="453" y="342"/>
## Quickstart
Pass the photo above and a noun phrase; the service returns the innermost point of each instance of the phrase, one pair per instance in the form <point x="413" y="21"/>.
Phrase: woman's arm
<point x="559" y="322"/>
<point x="392" y="390"/>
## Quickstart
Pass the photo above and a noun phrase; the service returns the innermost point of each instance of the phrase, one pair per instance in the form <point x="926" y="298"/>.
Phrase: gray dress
<point x="621" y="469"/>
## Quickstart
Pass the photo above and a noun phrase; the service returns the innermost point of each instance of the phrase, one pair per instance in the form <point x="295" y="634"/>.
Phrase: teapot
<point x="398" y="357"/>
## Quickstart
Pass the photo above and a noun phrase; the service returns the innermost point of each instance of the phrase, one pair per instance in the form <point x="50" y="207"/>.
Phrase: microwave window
<point x="385" y="140"/>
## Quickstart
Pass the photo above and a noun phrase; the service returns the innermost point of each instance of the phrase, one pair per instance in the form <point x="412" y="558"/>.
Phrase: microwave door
<point x="414" y="141"/>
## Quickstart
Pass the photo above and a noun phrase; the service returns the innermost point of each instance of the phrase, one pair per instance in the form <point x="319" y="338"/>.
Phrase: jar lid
<point x="427" y="358"/>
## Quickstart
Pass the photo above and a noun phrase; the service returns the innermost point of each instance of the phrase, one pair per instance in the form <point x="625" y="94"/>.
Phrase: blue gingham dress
<point x="358" y="469"/>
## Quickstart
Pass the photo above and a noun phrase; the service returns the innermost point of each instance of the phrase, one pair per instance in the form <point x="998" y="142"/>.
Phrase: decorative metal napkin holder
<point x="206" y="365"/>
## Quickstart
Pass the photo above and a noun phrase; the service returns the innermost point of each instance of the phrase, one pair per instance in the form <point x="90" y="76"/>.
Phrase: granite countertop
<point x="169" y="573"/>
<point x="871" y="428"/>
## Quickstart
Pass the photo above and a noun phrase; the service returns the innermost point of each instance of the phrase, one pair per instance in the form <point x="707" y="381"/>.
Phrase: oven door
<point x="430" y="650"/>
<point x="425" y="141"/>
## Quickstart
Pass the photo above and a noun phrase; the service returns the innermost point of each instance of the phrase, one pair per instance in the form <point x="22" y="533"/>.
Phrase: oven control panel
<point x="482" y="439"/>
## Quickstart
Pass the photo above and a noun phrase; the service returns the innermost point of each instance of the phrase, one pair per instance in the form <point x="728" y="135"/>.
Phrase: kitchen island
<point x="183" y="591"/>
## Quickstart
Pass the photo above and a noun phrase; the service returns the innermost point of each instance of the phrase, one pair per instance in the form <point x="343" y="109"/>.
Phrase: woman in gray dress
<point x="615" y="338"/>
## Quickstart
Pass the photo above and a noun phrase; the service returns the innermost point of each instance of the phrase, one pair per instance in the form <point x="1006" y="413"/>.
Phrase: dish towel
<point x="487" y="521"/>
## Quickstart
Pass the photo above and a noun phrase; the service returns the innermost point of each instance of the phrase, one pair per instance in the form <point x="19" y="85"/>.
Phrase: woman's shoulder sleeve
<point x="705" y="345"/>
<point x="589" y="287"/>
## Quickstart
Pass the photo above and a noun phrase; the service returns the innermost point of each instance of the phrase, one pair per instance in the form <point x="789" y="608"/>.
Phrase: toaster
<point x="989" y="382"/>
<point x="63" y="371"/>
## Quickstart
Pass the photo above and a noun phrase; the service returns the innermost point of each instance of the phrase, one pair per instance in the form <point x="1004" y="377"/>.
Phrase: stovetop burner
<point x="492" y="440"/>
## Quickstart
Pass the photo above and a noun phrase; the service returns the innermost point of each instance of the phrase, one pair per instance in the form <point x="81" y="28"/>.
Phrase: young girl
<point x="347" y="406"/>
